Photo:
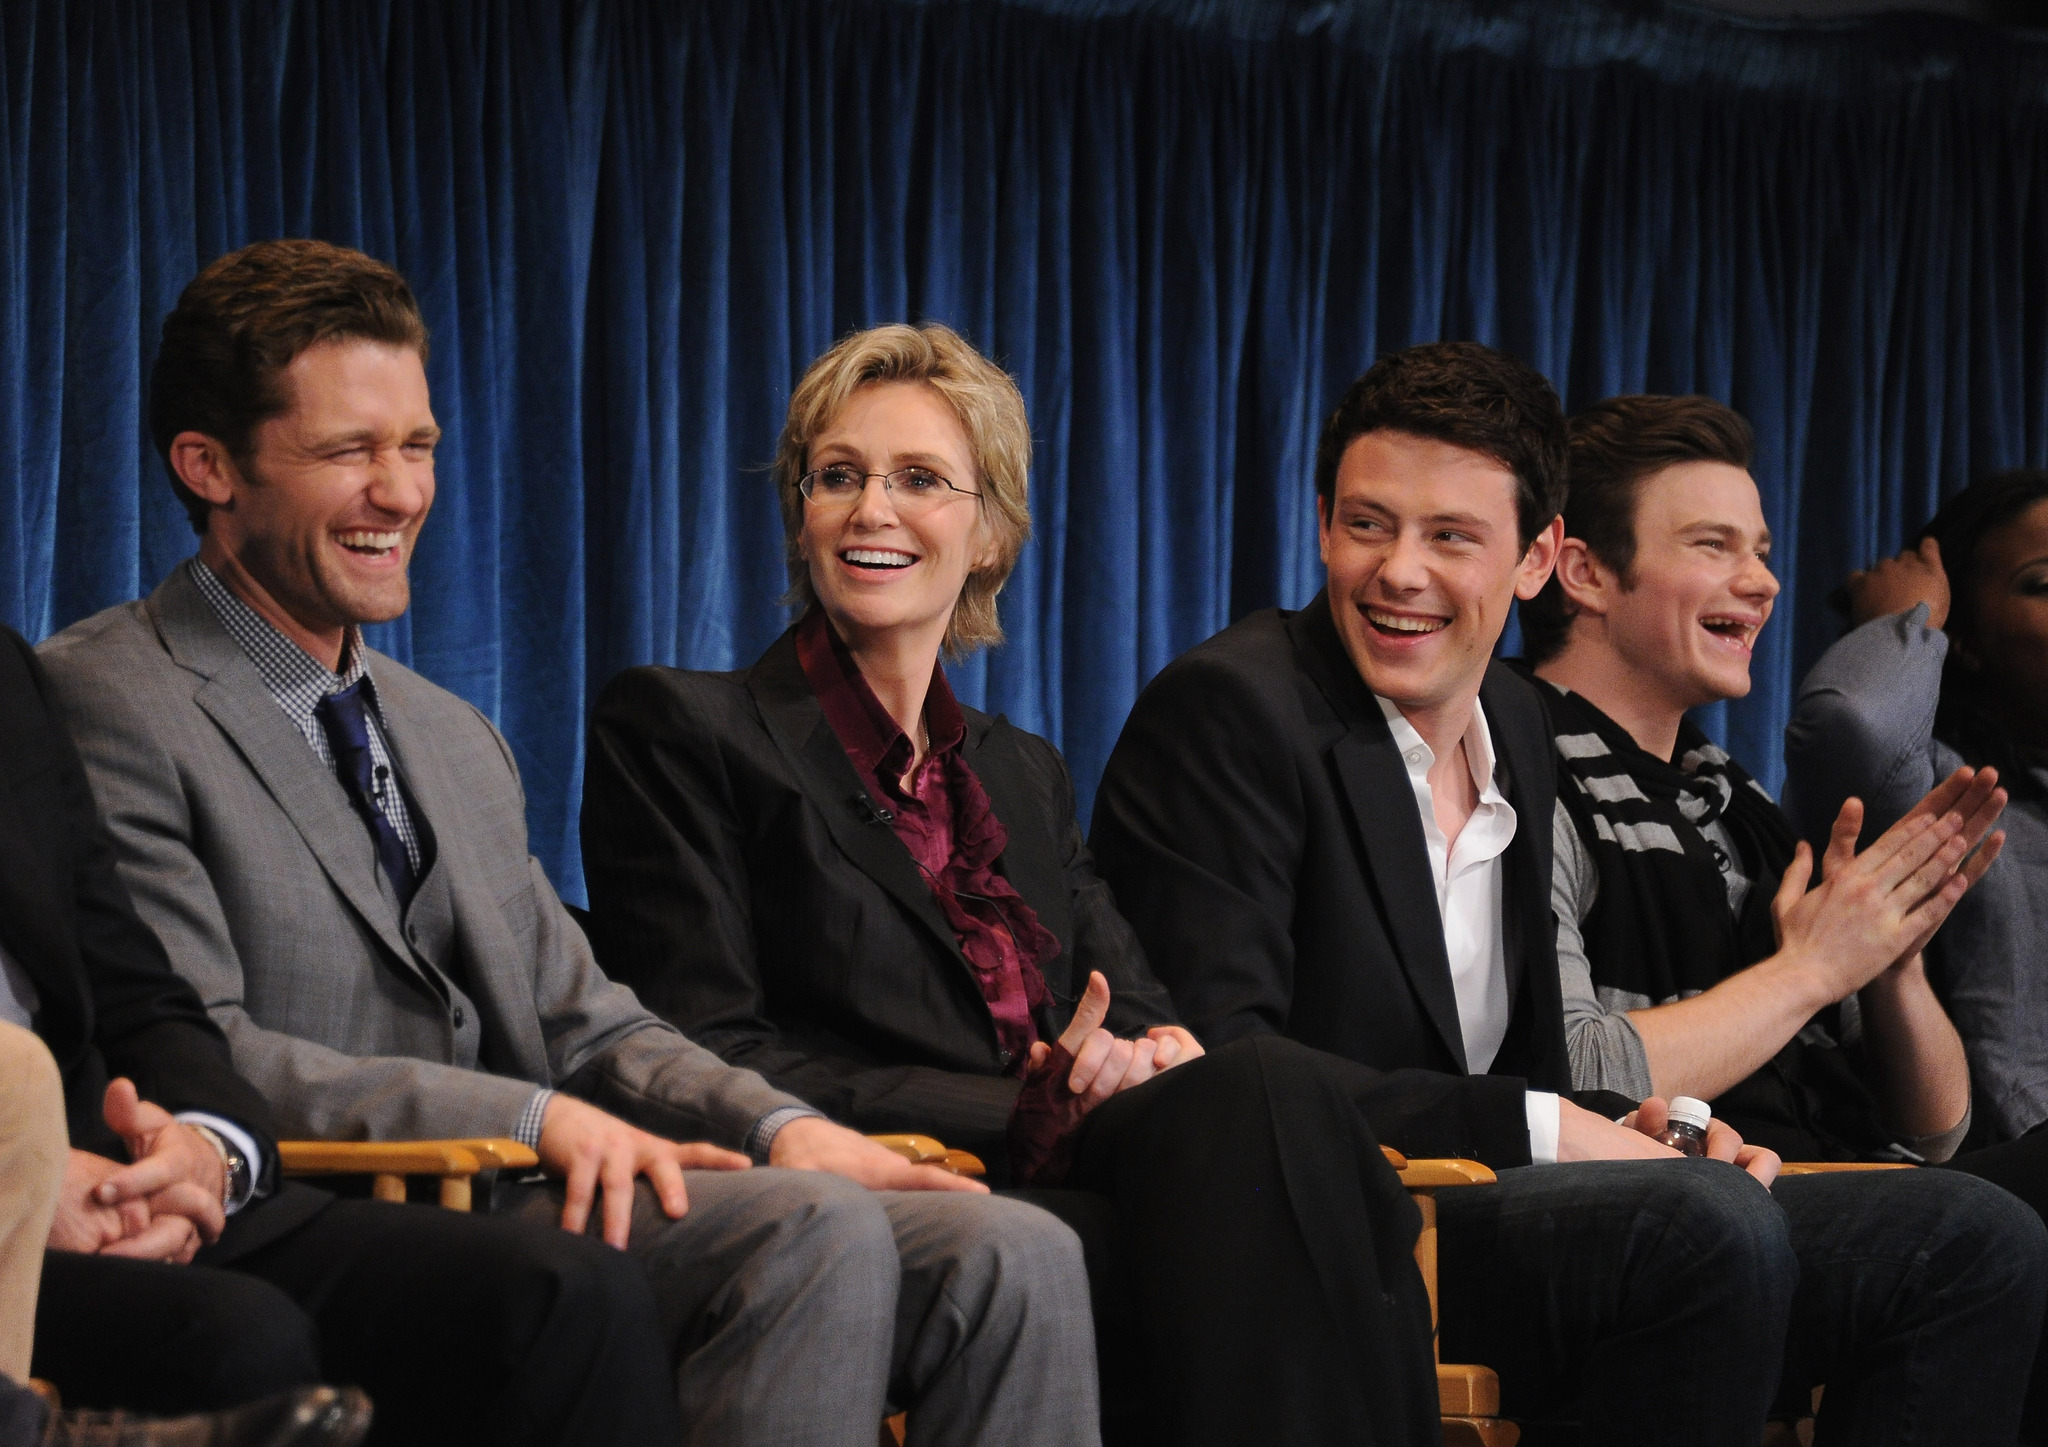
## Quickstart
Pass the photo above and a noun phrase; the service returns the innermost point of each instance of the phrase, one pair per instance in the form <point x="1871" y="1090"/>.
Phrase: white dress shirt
<point x="1468" y="874"/>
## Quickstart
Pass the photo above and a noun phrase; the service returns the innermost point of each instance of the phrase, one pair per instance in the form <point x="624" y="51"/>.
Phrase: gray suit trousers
<point x="803" y="1307"/>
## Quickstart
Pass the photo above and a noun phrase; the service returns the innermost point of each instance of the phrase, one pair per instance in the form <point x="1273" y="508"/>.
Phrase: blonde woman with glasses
<point x="829" y="870"/>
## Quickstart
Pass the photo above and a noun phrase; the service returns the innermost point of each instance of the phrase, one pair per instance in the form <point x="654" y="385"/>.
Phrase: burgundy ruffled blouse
<point x="945" y="820"/>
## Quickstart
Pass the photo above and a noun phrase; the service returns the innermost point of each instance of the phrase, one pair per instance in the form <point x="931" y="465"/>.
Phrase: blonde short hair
<point x="991" y="411"/>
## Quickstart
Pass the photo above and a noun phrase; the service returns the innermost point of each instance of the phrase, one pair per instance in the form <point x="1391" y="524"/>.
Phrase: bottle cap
<point x="1687" y="1111"/>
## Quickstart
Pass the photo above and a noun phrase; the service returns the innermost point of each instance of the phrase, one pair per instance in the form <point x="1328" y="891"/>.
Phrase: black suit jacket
<point x="1258" y="826"/>
<point x="108" y="1001"/>
<point x="742" y="883"/>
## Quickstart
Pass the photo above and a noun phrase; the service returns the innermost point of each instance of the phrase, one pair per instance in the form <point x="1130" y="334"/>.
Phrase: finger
<point x="1761" y="1162"/>
<point x="167" y="1238"/>
<point x="1089" y="1014"/>
<point x="617" y="1205"/>
<point x="1110" y="1078"/>
<point x="132" y="1217"/>
<point x="1089" y="1060"/>
<point x="195" y="1204"/>
<point x="1930" y="550"/>
<point x="1144" y="1064"/>
<point x="1848" y="827"/>
<point x="119" y="1104"/>
<point x="1919" y="886"/>
<point x="698" y="1156"/>
<point x="1943" y="796"/>
<point x="1982" y="858"/>
<point x="1039" y="1052"/>
<point x="1724" y="1142"/>
<point x="1891" y="868"/>
<point x="578" y="1192"/>
<point x="1792" y="888"/>
<point x="1165" y="1048"/>
<point x="666" y="1176"/>
<point x="1977" y="822"/>
<point x="144" y="1178"/>
<point x="931" y="1178"/>
<point x="1651" y="1116"/>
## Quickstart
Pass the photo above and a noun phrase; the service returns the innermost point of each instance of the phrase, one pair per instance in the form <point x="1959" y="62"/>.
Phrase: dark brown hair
<point x="1469" y="396"/>
<point x="1616" y="446"/>
<point x="241" y="322"/>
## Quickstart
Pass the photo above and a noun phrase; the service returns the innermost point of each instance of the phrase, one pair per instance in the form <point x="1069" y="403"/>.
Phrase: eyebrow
<point x="898" y="459"/>
<point x="1723" y="530"/>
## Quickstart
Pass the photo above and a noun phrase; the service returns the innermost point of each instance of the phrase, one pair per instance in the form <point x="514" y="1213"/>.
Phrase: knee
<point x="1974" y="1228"/>
<point x="828" y="1223"/>
<point x="32" y="1119"/>
<point x="571" y="1291"/>
<point x="1719" y="1223"/>
<point x="245" y="1339"/>
<point x="1011" y="1258"/>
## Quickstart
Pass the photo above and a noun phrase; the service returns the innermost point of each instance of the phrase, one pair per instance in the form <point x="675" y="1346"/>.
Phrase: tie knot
<point x="345" y="720"/>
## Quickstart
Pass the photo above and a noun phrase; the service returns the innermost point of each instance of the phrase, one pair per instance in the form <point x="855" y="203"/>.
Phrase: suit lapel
<point x="234" y="697"/>
<point x="29" y="929"/>
<point x="797" y="721"/>
<point x="1035" y="872"/>
<point x="1375" y="784"/>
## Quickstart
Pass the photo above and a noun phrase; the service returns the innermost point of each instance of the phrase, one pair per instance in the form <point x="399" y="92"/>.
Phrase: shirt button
<point x="1415" y="756"/>
<point x="461" y="1017"/>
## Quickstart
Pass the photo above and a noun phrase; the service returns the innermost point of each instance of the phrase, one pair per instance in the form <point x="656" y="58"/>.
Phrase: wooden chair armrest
<point x="376" y="1158"/>
<point x="388" y="1163"/>
<point x="923" y="1150"/>
<point x="1428" y="1175"/>
<point x="1821" y="1168"/>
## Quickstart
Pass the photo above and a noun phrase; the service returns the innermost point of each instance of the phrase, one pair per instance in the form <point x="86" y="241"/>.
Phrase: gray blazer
<point x="242" y="852"/>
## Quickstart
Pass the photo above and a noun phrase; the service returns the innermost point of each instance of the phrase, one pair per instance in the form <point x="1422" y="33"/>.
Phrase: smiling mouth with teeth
<point x="883" y="559"/>
<point x="369" y="544"/>
<point x="1732" y="630"/>
<point x="1404" y="624"/>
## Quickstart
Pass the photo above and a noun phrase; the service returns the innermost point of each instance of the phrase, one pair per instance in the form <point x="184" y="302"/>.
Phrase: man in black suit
<point x="182" y="1275"/>
<point x="1335" y="825"/>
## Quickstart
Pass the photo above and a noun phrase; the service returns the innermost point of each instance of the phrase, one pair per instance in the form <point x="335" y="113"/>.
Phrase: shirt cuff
<point x="1541" y="1107"/>
<point x="242" y="1141"/>
<point x="761" y="1135"/>
<point x="527" y="1131"/>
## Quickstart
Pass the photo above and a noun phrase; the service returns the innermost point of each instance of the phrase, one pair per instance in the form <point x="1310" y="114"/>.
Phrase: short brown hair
<point x="991" y="411"/>
<point x="1616" y="446"/>
<point x="1469" y="396"/>
<point x="242" y="321"/>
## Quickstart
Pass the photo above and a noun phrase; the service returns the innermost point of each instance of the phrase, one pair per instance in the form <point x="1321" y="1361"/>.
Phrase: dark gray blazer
<point x="741" y="881"/>
<point x="241" y="851"/>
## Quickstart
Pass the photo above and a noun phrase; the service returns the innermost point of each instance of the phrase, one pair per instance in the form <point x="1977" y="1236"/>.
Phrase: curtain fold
<point x="1183" y="226"/>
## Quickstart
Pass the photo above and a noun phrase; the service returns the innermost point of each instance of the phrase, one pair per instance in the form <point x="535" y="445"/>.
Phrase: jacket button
<point x="461" y="1018"/>
<point x="1004" y="1056"/>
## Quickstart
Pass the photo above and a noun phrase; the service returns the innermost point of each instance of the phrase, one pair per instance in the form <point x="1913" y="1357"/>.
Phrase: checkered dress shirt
<point x="298" y="683"/>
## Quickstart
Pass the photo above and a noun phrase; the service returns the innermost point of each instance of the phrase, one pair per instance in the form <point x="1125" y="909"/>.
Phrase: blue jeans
<point x="1665" y="1301"/>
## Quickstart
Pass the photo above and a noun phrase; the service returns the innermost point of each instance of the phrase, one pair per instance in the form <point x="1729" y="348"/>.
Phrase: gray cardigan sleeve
<point x="1863" y="726"/>
<point x="1606" y="1051"/>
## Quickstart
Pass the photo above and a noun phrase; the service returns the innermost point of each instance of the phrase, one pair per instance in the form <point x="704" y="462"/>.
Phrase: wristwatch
<point x="234" y="1167"/>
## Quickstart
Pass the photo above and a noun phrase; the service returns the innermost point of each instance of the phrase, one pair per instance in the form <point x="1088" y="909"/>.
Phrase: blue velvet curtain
<point x="1182" y="226"/>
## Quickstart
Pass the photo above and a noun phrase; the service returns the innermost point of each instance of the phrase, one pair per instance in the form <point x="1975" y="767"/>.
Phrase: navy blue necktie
<point x="347" y="726"/>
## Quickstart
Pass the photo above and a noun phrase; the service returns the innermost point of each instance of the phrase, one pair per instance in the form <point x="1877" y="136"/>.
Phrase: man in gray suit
<point x="334" y="852"/>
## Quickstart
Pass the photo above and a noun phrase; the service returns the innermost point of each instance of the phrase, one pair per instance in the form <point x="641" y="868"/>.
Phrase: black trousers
<point x="1262" y="1273"/>
<point x="463" y="1329"/>
<point x="2021" y="1166"/>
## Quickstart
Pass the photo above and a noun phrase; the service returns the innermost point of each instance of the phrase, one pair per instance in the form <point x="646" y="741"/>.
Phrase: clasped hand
<point x="163" y="1206"/>
<point x="1103" y="1064"/>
